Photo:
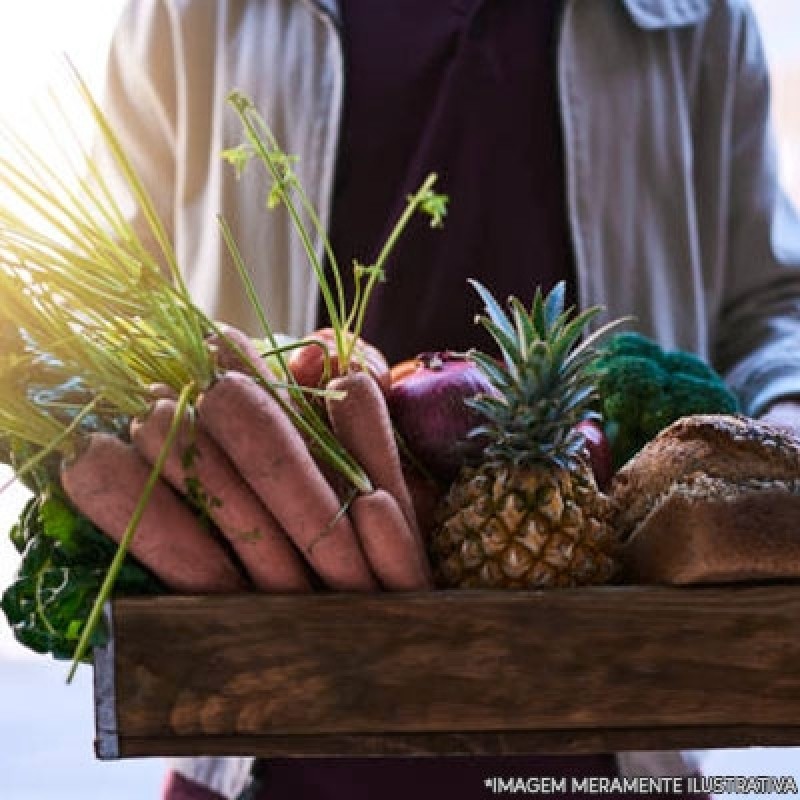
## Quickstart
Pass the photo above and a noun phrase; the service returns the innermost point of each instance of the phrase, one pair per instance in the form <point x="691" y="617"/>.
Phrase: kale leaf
<point x="64" y="562"/>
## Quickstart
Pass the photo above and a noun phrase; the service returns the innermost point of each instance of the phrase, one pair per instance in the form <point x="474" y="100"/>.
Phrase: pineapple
<point x="530" y="515"/>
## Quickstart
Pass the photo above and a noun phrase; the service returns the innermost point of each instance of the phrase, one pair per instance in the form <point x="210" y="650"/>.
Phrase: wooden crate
<point x="564" y="671"/>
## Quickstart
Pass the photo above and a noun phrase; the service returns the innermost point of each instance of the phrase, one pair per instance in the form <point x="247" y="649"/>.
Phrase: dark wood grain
<point x="559" y="671"/>
<point x="456" y="744"/>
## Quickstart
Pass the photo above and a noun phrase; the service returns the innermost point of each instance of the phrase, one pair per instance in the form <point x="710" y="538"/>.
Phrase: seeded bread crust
<point x="734" y="448"/>
<point x="712" y="499"/>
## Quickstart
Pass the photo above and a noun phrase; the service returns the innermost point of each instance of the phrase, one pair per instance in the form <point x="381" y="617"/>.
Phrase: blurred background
<point x="46" y="727"/>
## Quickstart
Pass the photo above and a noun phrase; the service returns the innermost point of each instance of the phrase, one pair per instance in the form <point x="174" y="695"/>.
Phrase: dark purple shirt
<point x="407" y="779"/>
<point x="463" y="778"/>
<point x="466" y="89"/>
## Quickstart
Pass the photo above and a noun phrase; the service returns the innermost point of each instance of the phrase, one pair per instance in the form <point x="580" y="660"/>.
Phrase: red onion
<point x="426" y="401"/>
<point x="598" y="450"/>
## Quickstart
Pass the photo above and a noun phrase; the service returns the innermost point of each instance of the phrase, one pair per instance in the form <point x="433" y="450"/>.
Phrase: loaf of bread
<point x="712" y="499"/>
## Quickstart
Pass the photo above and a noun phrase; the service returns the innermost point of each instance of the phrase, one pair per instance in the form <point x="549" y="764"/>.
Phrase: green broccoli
<point x="642" y="389"/>
<point x="631" y="344"/>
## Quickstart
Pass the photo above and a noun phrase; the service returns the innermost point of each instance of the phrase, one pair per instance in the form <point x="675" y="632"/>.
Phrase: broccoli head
<point x="642" y="389"/>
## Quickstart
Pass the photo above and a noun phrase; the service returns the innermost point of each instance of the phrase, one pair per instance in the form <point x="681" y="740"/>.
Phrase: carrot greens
<point x="95" y="313"/>
<point x="347" y="321"/>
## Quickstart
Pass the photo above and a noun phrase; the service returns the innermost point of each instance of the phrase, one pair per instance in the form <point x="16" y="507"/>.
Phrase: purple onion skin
<point x="427" y="406"/>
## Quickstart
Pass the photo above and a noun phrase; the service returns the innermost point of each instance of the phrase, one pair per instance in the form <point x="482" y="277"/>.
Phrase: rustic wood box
<point x="560" y="671"/>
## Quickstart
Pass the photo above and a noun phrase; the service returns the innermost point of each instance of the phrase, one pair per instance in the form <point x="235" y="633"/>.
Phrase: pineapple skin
<point x="507" y="527"/>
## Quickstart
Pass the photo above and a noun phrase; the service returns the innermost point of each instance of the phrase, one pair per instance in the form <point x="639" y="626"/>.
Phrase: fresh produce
<point x="65" y="558"/>
<point x="223" y="420"/>
<point x="599" y="451"/>
<point x="338" y="366"/>
<point x="270" y="454"/>
<point x="295" y="489"/>
<point x="317" y="363"/>
<point x="643" y="388"/>
<point x="396" y="557"/>
<point x="103" y="307"/>
<point x="360" y="420"/>
<point x="235" y="350"/>
<point x="64" y="562"/>
<point x="531" y="513"/>
<point x="342" y="345"/>
<point x="427" y="402"/>
<point x="106" y="479"/>
<point x="198" y="468"/>
<point x="104" y="482"/>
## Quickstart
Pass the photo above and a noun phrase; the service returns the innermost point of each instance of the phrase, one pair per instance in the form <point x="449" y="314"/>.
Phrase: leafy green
<point x="64" y="561"/>
<point x="45" y="383"/>
<point x="644" y="388"/>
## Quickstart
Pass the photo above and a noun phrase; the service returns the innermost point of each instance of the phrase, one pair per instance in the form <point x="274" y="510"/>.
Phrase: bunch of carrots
<point x="232" y="471"/>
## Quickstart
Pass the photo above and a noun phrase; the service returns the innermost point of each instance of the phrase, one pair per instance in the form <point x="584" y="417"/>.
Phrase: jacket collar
<point x="328" y="7"/>
<point x="647" y="14"/>
<point x="659" y="14"/>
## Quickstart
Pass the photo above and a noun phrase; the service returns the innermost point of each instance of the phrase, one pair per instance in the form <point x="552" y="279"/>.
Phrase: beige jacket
<point x="674" y="206"/>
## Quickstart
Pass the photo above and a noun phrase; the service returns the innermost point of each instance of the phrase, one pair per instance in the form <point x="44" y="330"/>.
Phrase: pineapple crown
<point x="544" y="387"/>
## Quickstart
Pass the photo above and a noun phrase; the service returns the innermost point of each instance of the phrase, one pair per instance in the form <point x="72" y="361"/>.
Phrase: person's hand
<point x="784" y="414"/>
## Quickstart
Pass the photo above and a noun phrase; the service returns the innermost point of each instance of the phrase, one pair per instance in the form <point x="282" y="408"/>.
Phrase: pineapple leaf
<point x="554" y="305"/>
<point x="544" y="384"/>
<point x="507" y="343"/>
<point x="537" y="314"/>
<point x="526" y="333"/>
<point x="501" y="323"/>
<point x="587" y="345"/>
<point x="491" y="369"/>
<point x="480" y="430"/>
<point x="602" y="332"/>
<point x="572" y="332"/>
<point x="493" y="309"/>
<point x="488" y="406"/>
<point x="576" y="365"/>
<point x="580" y="398"/>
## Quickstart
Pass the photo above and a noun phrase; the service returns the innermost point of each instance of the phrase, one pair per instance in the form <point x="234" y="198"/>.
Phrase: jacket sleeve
<point x="178" y="787"/>
<point x="757" y="342"/>
<point x="140" y="102"/>
<point x="207" y="778"/>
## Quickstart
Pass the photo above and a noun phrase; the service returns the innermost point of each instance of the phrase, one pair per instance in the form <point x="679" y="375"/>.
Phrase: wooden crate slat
<point x="450" y="744"/>
<point x="575" y="668"/>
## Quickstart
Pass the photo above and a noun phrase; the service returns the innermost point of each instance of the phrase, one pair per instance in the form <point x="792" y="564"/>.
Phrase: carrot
<point x="198" y="468"/>
<point x="313" y="364"/>
<point x="230" y="357"/>
<point x="394" y="547"/>
<point x="236" y="351"/>
<point x="392" y="550"/>
<point x="105" y="480"/>
<point x="252" y="428"/>
<point x="360" y="419"/>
